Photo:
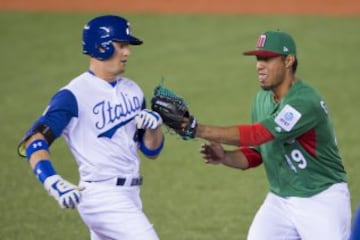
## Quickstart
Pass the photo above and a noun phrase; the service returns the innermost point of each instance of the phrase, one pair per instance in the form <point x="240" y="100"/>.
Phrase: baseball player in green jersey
<point x="292" y="135"/>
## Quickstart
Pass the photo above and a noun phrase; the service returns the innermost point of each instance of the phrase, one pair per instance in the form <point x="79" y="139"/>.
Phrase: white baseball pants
<point x="326" y="215"/>
<point x="114" y="212"/>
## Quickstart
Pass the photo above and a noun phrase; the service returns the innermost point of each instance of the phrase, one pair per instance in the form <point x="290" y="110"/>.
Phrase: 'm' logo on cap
<point x="261" y="41"/>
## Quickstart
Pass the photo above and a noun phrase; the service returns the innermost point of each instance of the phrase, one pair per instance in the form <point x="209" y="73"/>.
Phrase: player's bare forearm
<point x="225" y="135"/>
<point x="236" y="159"/>
<point x="214" y="153"/>
<point x="64" y="192"/>
<point x="153" y="138"/>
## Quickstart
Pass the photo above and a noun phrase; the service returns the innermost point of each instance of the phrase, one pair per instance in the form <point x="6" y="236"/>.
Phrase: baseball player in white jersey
<point x="104" y="121"/>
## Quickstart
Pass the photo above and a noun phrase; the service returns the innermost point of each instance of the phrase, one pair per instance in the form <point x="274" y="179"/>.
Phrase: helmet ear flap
<point x="103" y="50"/>
<point x="97" y="42"/>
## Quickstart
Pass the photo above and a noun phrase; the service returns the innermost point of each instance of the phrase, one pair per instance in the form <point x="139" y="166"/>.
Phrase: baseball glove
<point x="174" y="112"/>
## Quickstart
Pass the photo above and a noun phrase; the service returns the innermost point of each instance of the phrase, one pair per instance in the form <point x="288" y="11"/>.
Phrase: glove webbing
<point x="164" y="92"/>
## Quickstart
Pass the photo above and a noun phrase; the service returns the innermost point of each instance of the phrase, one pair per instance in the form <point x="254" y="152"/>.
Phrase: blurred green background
<point x="200" y="58"/>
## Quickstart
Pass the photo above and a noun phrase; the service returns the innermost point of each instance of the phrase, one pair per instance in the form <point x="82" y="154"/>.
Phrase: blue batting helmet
<point x="99" y="33"/>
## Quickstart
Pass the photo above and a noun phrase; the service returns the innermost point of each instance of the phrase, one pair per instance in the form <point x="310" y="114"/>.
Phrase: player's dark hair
<point x="295" y="64"/>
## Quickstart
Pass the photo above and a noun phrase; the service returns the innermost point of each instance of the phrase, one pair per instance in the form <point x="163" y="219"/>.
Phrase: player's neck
<point x="99" y="71"/>
<point x="282" y="89"/>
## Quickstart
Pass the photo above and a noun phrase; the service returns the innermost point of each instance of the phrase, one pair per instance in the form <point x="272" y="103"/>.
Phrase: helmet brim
<point x="129" y="39"/>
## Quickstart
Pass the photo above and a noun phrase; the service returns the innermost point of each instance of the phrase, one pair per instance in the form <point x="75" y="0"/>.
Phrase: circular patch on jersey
<point x="289" y="116"/>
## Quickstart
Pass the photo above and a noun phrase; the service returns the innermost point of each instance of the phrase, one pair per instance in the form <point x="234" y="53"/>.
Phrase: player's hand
<point x="212" y="153"/>
<point x="66" y="193"/>
<point x="148" y="119"/>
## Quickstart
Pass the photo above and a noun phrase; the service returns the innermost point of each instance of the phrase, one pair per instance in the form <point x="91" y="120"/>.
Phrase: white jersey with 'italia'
<point x="103" y="136"/>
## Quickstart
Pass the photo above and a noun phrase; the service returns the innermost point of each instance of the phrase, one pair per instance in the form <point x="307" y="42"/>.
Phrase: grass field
<point x="200" y="57"/>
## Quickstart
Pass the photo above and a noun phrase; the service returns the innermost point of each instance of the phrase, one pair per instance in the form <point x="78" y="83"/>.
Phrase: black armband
<point x="44" y="130"/>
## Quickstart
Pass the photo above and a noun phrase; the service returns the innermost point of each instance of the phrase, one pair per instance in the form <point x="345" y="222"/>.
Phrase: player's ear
<point x="289" y="61"/>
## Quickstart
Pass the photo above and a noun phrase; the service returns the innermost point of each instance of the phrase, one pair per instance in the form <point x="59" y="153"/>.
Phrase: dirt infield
<point x="289" y="7"/>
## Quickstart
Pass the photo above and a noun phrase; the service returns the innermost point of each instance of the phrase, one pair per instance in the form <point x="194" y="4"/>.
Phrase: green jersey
<point x="303" y="158"/>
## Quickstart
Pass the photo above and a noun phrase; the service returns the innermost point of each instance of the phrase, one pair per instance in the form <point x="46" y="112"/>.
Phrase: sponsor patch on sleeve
<point x="287" y="118"/>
